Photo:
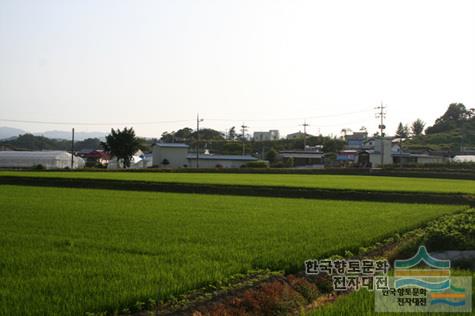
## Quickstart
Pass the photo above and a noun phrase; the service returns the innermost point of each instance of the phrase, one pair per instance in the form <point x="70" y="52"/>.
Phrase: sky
<point x="96" y="65"/>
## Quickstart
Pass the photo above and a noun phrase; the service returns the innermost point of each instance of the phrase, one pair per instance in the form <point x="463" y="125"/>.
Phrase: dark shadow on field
<point x="246" y="190"/>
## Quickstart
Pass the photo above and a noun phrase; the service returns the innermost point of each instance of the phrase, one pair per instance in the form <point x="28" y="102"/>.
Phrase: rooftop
<point x="465" y="158"/>
<point x="171" y="145"/>
<point x="301" y="154"/>
<point x="311" y="152"/>
<point x="357" y="136"/>
<point x="222" y="157"/>
<point x="348" y="151"/>
<point x="34" y="154"/>
<point x="415" y="155"/>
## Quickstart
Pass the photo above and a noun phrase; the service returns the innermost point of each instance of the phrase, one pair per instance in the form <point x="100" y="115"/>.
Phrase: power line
<point x="324" y="125"/>
<point x="295" y="118"/>
<point x="92" y="124"/>
<point x="171" y="121"/>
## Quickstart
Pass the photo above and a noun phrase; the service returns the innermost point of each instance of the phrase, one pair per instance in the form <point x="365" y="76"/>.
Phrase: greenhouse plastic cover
<point x="47" y="159"/>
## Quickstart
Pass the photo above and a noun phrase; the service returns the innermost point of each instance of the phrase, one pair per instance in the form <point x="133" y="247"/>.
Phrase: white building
<point x="464" y="158"/>
<point x="45" y="159"/>
<point x="273" y="134"/>
<point x="170" y="155"/>
<point x="378" y="149"/>
<point x="177" y="156"/>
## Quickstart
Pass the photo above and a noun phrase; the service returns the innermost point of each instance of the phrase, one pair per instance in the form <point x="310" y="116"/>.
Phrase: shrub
<point x="453" y="233"/>
<point x="274" y="298"/>
<point x="257" y="164"/>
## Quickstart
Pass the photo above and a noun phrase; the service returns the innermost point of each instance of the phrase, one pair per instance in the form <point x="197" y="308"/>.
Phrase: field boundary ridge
<point x="246" y="190"/>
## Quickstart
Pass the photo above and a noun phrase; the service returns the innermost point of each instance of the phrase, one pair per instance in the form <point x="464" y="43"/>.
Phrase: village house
<point x="95" y="157"/>
<point x="311" y="157"/>
<point x="273" y="134"/>
<point x="177" y="156"/>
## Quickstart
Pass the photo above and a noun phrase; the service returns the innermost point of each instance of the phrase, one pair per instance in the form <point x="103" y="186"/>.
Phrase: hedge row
<point x="436" y="166"/>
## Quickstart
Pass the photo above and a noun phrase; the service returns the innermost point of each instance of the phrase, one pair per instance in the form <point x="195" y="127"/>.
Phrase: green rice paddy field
<point x="71" y="251"/>
<point x="290" y="180"/>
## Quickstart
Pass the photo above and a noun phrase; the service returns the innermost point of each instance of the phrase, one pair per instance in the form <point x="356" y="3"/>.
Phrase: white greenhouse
<point x="47" y="159"/>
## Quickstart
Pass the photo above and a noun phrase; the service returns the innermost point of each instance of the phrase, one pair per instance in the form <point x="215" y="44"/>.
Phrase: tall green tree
<point x="417" y="127"/>
<point x="184" y="134"/>
<point x="271" y="155"/>
<point x="232" y="133"/>
<point x="455" y="112"/>
<point x="402" y="131"/>
<point x="168" y="137"/>
<point x="455" y="117"/>
<point x="209" y="134"/>
<point x="122" y="144"/>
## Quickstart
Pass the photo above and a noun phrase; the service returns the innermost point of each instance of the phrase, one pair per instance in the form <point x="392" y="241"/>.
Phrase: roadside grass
<point x="72" y="251"/>
<point x="352" y="182"/>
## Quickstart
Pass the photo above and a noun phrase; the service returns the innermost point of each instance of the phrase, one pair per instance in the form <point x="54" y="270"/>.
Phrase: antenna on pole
<point x="243" y="130"/>
<point x="381" y="114"/>
<point x="198" y="120"/>
<point x="305" y="134"/>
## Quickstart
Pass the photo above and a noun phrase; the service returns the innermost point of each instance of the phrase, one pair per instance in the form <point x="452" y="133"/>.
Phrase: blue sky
<point x="270" y="64"/>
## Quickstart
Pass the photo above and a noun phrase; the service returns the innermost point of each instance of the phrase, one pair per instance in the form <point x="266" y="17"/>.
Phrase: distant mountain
<point x="9" y="132"/>
<point x="67" y="135"/>
<point x="32" y="142"/>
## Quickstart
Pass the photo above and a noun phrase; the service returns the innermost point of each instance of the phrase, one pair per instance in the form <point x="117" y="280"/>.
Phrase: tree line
<point x="454" y="129"/>
<point x="456" y="116"/>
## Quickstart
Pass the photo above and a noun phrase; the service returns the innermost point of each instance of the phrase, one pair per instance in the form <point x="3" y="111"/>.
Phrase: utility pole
<point x="198" y="120"/>
<point x="72" y="150"/>
<point x="305" y="134"/>
<point x="381" y="114"/>
<point x="243" y="130"/>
